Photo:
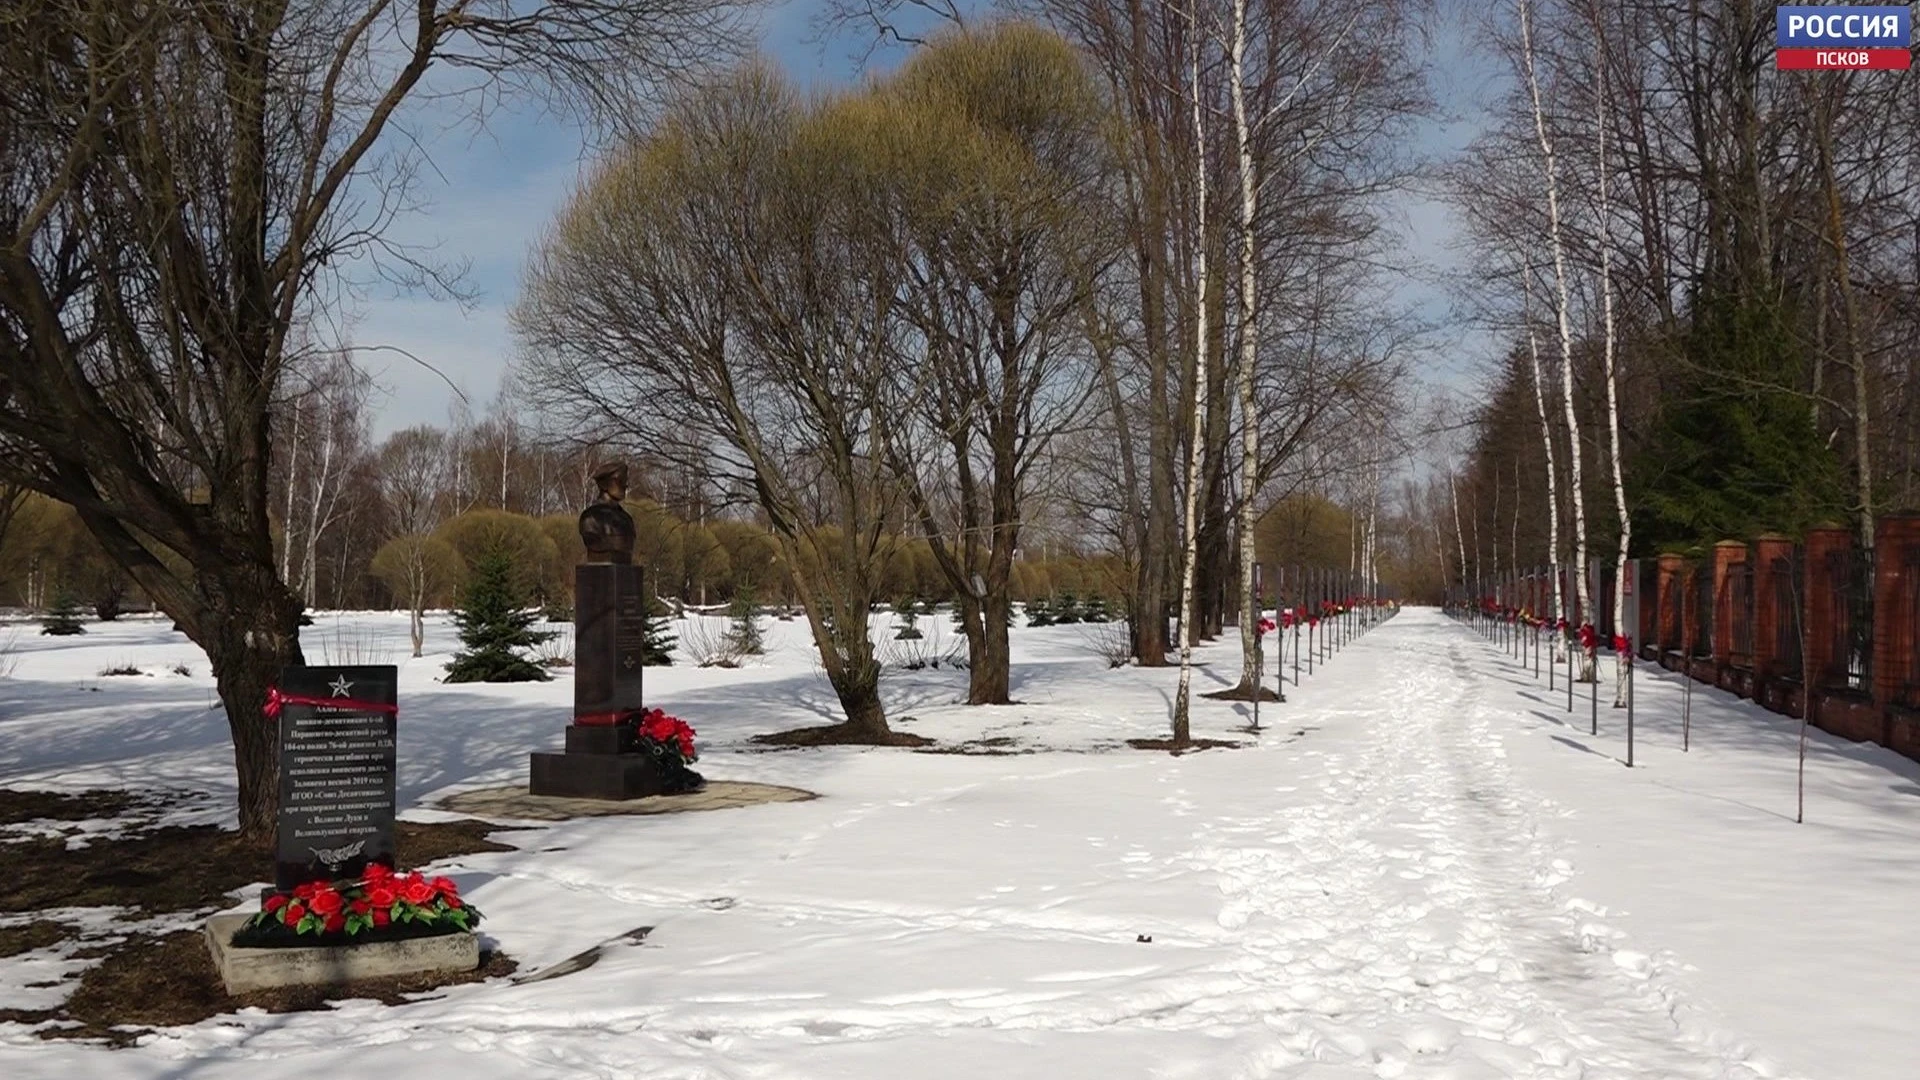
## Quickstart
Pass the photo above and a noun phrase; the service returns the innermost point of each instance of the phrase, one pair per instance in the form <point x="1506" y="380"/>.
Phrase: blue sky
<point x="491" y="189"/>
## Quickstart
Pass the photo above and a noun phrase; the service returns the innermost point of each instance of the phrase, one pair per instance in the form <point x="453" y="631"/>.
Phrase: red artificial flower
<point x="444" y="886"/>
<point x="382" y="896"/>
<point x="452" y="901"/>
<point x="334" y="922"/>
<point x="416" y="891"/>
<point x="305" y="890"/>
<point x="377" y="872"/>
<point x="274" y="903"/>
<point x="1619" y="643"/>
<point x="380" y="917"/>
<point x="361" y="907"/>
<point x="294" y="913"/>
<point x="326" y="902"/>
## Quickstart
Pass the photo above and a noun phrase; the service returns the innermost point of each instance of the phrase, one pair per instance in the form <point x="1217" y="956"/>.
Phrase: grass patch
<point x="18" y="807"/>
<point x="182" y="868"/>
<point x="839" y="735"/>
<point x="38" y="934"/>
<point x="1177" y="748"/>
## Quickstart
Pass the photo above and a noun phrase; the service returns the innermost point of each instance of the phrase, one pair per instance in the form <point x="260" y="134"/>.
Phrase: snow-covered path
<point x="1388" y="883"/>
<point x="1401" y="909"/>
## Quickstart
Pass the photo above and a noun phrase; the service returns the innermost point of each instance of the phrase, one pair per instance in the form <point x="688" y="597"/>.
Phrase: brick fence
<point x="1779" y="622"/>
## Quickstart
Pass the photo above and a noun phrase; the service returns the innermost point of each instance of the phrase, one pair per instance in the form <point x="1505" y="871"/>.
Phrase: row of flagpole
<point x="1520" y="632"/>
<point x="1322" y="611"/>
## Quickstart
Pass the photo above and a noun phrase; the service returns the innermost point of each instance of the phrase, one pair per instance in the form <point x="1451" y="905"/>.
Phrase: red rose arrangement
<point x="380" y="900"/>
<point x="667" y="737"/>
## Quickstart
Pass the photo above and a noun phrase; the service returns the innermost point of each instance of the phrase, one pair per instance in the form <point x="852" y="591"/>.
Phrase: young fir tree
<point x="1039" y="612"/>
<point x="64" y="619"/>
<point x="1096" y="610"/>
<point x="656" y="649"/>
<point x="907" y="620"/>
<point x="494" y="626"/>
<point x="1067" y="611"/>
<point x="744" y="634"/>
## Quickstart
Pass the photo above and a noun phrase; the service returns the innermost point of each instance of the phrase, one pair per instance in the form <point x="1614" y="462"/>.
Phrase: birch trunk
<point x="1459" y="535"/>
<point x="1850" y="324"/>
<point x="309" y="556"/>
<point x="293" y="474"/>
<point x="1561" y="303"/>
<point x="1182" y="730"/>
<point x="1623" y="661"/>
<point x="1553" y="473"/>
<point x="1249" y="340"/>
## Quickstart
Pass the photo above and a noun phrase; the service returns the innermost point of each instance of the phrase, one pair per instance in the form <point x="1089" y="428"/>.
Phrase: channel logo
<point x="1837" y="37"/>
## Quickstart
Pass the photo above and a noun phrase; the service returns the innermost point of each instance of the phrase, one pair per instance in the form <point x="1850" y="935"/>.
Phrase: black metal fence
<point x="1740" y="613"/>
<point x="1702" y="612"/>
<point x="1784" y="581"/>
<point x="1908" y="692"/>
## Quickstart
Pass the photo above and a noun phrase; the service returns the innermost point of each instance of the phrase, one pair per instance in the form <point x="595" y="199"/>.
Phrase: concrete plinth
<point x="517" y="804"/>
<point x="244" y="970"/>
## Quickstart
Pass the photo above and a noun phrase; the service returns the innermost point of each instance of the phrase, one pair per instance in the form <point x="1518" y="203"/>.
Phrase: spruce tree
<point x="1096" y="610"/>
<point x="744" y="634"/>
<point x="1039" y="612"/>
<point x="64" y="619"/>
<point x="907" y="620"/>
<point x="1067" y="610"/>
<point x="494" y="625"/>
<point x="656" y="647"/>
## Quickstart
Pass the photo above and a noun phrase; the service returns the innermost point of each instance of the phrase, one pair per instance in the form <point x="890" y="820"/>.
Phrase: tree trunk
<point x="1182" y="729"/>
<point x="250" y="629"/>
<point x="1575" y="489"/>
<point x="1623" y="658"/>
<point x="1553" y="474"/>
<point x="858" y="687"/>
<point x="1248" y="329"/>
<point x="989" y="682"/>
<point x="1850" y="323"/>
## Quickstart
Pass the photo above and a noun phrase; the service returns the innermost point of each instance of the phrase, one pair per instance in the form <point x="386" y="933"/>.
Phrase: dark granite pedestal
<point x="600" y="762"/>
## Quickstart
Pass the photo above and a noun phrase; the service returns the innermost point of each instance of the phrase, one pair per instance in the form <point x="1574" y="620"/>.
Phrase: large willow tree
<point x="860" y="309"/>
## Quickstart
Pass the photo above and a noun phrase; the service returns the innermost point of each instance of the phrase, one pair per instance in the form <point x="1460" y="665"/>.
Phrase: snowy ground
<point x="1419" y="870"/>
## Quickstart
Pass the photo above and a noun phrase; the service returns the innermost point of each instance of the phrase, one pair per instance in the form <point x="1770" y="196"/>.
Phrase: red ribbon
<point x="277" y="701"/>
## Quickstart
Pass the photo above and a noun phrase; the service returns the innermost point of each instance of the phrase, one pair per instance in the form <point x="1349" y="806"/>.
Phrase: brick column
<point x="1727" y="554"/>
<point x="1896" y="611"/>
<point x="1667" y="623"/>
<point x="1770" y="549"/>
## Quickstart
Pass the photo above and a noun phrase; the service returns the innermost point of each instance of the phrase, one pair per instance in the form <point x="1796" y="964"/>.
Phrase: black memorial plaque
<point x="336" y="772"/>
<point x="609" y="641"/>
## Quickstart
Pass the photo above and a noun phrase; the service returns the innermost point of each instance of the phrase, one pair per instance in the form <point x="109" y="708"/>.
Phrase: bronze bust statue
<point x="605" y="526"/>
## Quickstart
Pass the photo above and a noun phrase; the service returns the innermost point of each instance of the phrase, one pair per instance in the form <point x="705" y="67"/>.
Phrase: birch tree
<point x="1623" y="659"/>
<point x="1190" y="536"/>
<point x="1546" y="452"/>
<point x="1562" y="303"/>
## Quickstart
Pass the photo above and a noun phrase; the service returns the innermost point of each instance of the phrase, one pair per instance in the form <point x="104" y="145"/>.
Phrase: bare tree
<point x="413" y="486"/>
<point x="179" y="180"/>
<point x="725" y="292"/>
<point x="1006" y="230"/>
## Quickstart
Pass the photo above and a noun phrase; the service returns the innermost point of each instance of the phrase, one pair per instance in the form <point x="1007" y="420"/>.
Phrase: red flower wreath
<point x="378" y="900"/>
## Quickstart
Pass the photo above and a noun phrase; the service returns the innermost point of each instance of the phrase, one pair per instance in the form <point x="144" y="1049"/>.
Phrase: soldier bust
<point x="605" y="526"/>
